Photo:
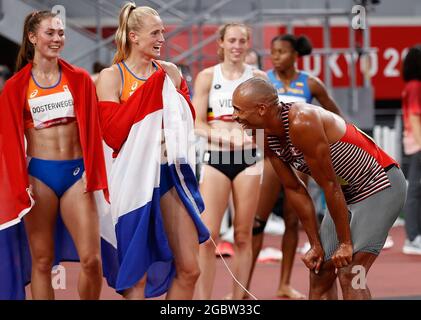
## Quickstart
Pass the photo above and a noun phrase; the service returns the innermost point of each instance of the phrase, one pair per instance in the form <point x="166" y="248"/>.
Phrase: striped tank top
<point x="359" y="164"/>
<point x="48" y="106"/>
<point x="130" y="82"/>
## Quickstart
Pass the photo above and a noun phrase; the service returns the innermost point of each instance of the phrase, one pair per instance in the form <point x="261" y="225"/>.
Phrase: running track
<point x="393" y="276"/>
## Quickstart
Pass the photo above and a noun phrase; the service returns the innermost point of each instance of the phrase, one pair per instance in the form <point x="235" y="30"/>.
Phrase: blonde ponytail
<point x="121" y="35"/>
<point x="130" y="19"/>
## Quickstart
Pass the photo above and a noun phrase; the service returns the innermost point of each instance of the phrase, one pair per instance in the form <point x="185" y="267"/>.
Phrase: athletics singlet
<point x="48" y="106"/>
<point x="357" y="161"/>
<point x="220" y="95"/>
<point x="130" y="83"/>
<point x="298" y="90"/>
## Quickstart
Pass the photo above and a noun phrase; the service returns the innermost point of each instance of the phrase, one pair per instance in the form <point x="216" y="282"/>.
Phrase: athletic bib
<point x="50" y="106"/>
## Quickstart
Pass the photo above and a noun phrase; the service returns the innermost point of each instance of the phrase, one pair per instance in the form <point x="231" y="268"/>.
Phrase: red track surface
<point x="394" y="275"/>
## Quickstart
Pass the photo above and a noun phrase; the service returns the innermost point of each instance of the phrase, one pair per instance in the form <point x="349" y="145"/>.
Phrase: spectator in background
<point x="187" y="75"/>
<point x="411" y="105"/>
<point x="97" y="68"/>
<point x="4" y="75"/>
<point x="253" y="58"/>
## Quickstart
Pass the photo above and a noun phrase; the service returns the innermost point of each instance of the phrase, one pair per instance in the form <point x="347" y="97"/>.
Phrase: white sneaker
<point x="389" y="243"/>
<point x="412" y="247"/>
<point x="399" y="222"/>
<point x="228" y="236"/>
<point x="306" y="246"/>
<point x="275" y="225"/>
<point x="269" y="254"/>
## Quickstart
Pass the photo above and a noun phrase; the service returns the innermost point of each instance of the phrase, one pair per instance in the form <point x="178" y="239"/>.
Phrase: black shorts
<point x="231" y="163"/>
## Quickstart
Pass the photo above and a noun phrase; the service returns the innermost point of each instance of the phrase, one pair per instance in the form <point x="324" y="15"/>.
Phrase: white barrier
<point x="389" y="139"/>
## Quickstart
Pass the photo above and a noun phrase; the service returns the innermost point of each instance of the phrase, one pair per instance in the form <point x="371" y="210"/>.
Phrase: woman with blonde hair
<point x="229" y="154"/>
<point x="155" y="204"/>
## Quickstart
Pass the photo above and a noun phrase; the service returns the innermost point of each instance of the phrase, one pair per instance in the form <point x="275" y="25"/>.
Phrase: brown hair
<point x="27" y="50"/>
<point x="130" y="19"/>
<point x="223" y="29"/>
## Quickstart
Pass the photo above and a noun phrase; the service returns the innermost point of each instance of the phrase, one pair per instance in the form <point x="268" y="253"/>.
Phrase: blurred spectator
<point x="254" y="59"/>
<point x="186" y="74"/>
<point x="411" y="105"/>
<point x="97" y="68"/>
<point x="4" y="75"/>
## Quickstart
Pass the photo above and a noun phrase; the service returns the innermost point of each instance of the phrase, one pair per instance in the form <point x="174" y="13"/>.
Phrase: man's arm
<point x="308" y="134"/>
<point x="297" y="195"/>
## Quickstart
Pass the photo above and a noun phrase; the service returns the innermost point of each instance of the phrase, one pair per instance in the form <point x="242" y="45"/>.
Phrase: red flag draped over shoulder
<point x="15" y="200"/>
<point x="118" y="118"/>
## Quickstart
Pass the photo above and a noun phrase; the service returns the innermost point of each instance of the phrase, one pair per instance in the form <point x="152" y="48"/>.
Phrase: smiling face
<point x="48" y="38"/>
<point x="149" y="38"/>
<point x="235" y="43"/>
<point x="246" y="113"/>
<point x="254" y="101"/>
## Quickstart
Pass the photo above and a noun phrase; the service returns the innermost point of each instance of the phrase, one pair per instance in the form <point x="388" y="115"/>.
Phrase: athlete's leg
<point x="246" y="190"/>
<point x="289" y="248"/>
<point x="40" y="224"/>
<point x="323" y="284"/>
<point x="269" y="193"/>
<point x="184" y="243"/>
<point x="80" y="216"/>
<point x="353" y="278"/>
<point x="137" y="292"/>
<point x="215" y="190"/>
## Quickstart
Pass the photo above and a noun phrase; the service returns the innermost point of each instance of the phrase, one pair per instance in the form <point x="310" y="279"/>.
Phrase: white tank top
<point x="220" y="95"/>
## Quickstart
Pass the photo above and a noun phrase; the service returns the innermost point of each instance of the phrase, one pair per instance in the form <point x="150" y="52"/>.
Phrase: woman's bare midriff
<point x="59" y="142"/>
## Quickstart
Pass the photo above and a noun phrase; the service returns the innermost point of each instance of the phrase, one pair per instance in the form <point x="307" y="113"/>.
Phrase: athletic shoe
<point x="269" y="254"/>
<point x="306" y="246"/>
<point x="275" y="225"/>
<point x="389" y="243"/>
<point x="412" y="247"/>
<point x="228" y="236"/>
<point x="399" y="222"/>
<point x="225" y="249"/>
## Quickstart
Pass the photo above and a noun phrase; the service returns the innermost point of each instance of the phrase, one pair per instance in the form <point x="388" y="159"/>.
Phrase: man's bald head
<point x="254" y="102"/>
<point x="255" y="91"/>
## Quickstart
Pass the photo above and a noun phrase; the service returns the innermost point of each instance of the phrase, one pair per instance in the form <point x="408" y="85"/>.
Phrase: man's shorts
<point x="370" y="219"/>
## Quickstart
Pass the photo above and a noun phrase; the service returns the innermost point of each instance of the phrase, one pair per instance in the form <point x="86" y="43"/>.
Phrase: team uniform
<point x="145" y="130"/>
<point x="220" y="108"/>
<point x="130" y="82"/>
<point x="373" y="185"/>
<point x="46" y="107"/>
<point x="27" y="105"/>
<point x="298" y="90"/>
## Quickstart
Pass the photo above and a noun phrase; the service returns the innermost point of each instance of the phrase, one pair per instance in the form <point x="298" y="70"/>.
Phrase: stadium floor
<point x="393" y="276"/>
